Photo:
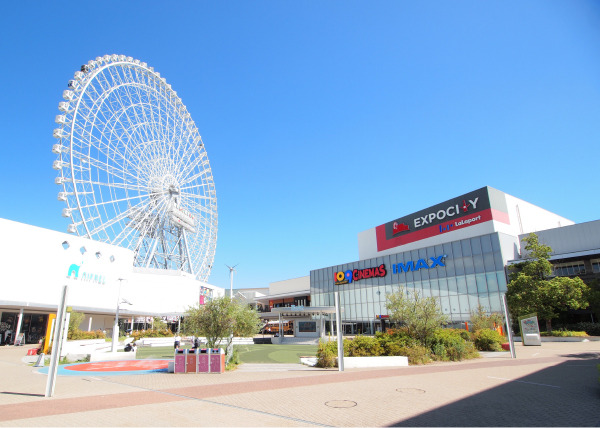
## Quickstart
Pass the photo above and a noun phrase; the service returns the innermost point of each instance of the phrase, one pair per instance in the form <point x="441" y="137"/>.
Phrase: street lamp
<point x="115" y="334"/>
<point x="230" y="347"/>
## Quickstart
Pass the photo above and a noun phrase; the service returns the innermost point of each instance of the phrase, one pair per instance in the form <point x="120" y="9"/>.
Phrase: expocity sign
<point x="463" y="211"/>
<point x="357" y="274"/>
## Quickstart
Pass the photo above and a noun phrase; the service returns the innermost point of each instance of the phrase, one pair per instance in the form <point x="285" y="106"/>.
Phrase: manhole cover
<point x="341" y="404"/>
<point x="411" y="391"/>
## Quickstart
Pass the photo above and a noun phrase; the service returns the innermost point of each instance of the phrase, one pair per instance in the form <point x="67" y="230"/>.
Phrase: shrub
<point x="327" y="354"/>
<point x="362" y="346"/>
<point x="480" y="320"/>
<point x="592" y="329"/>
<point x="489" y="340"/>
<point x="138" y="334"/>
<point x="564" y="333"/>
<point x="85" y="335"/>
<point x="449" y="344"/>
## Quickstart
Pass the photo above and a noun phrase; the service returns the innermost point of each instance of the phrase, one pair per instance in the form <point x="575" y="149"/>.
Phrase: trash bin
<point x="191" y="361"/>
<point x="203" y="365"/>
<point x="180" y="360"/>
<point x="217" y="360"/>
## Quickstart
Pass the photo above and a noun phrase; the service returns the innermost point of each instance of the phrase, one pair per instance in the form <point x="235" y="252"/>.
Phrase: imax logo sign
<point x="419" y="264"/>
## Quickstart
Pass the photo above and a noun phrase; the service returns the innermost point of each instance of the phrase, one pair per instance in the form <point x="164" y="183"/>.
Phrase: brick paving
<point x="553" y="385"/>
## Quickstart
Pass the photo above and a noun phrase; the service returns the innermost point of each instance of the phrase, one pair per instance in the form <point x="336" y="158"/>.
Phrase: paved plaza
<point x="552" y="385"/>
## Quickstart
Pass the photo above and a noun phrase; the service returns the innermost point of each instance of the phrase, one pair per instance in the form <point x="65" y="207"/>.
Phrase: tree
<point x="216" y="320"/>
<point x="532" y="289"/>
<point x="421" y="315"/>
<point x="480" y="320"/>
<point x="75" y="320"/>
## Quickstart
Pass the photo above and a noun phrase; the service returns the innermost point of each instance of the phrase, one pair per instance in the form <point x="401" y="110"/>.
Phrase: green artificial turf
<point x="265" y="354"/>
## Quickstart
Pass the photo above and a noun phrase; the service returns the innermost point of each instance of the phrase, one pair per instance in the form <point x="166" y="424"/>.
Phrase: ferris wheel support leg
<point x="151" y="253"/>
<point x="187" y="252"/>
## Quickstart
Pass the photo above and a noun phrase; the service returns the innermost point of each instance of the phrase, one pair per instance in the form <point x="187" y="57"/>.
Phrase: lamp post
<point x="115" y="333"/>
<point x="230" y="346"/>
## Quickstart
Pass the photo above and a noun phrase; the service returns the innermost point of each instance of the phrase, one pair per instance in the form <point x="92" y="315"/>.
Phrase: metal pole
<point x="57" y="342"/>
<point x="508" y="327"/>
<point x="115" y="334"/>
<point x="340" y="340"/>
<point x="18" y="329"/>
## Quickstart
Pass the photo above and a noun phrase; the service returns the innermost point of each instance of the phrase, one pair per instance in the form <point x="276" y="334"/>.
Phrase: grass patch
<point x="252" y="354"/>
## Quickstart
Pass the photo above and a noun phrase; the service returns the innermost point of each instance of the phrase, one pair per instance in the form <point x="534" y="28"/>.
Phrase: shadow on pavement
<point x="567" y="394"/>
<point x="22" y="393"/>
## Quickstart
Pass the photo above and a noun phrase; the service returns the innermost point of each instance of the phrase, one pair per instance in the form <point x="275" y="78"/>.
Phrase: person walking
<point x="177" y="341"/>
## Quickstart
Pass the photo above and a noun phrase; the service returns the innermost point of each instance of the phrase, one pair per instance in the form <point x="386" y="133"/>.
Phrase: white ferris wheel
<point x="133" y="169"/>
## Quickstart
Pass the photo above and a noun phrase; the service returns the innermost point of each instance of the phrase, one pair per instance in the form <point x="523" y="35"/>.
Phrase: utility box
<point x="217" y="360"/>
<point x="203" y="357"/>
<point x="180" y="360"/>
<point x="191" y="361"/>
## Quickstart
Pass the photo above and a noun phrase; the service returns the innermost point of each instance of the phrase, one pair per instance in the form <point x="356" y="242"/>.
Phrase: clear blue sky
<point x="323" y="119"/>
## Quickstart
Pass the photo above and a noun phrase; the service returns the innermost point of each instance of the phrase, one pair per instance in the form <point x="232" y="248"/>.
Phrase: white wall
<point x="290" y="285"/>
<point x="35" y="267"/>
<point x="570" y="239"/>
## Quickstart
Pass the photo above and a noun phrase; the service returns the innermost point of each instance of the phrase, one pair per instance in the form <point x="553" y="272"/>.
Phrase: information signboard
<point x="20" y="339"/>
<point x="530" y="330"/>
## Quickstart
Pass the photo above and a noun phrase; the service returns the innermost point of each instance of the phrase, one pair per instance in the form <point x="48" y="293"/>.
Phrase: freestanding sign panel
<point x="530" y="330"/>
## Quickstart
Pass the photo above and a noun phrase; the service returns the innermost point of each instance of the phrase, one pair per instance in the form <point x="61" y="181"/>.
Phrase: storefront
<point x="456" y="250"/>
<point x="33" y="326"/>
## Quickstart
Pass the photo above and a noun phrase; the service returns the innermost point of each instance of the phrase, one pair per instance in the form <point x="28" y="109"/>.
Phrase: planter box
<point x="362" y="362"/>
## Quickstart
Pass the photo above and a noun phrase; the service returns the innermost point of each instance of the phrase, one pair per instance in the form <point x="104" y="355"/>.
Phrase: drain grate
<point x="341" y="404"/>
<point x="411" y="390"/>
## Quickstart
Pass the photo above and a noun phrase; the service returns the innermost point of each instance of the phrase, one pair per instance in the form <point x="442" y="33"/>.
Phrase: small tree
<point x="218" y="318"/>
<point x="532" y="289"/>
<point x="159" y="324"/>
<point x="421" y="315"/>
<point x="480" y="320"/>
<point x="75" y="320"/>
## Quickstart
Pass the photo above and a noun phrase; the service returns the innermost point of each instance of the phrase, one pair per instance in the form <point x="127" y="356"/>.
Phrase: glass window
<point x="498" y="261"/>
<point x="501" y="281"/>
<point x="485" y="301"/>
<point x="478" y="263"/>
<point x="486" y="244"/>
<point x="456" y="249"/>
<point x="475" y="245"/>
<point x="445" y="303"/>
<point x="461" y="283"/>
<point x="423" y="253"/>
<point x="436" y="251"/>
<point x="495" y="303"/>
<point x="433" y="273"/>
<point x="369" y="291"/>
<point x="454" y="306"/>
<point x="452" y="286"/>
<point x="596" y="265"/>
<point x="471" y="284"/>
<point x="469" y="268"/>
<point x="450" y="267"/>
<point x="465" y="244"/>
<point x="473" y="301"/>
<point x="447" y="250"/>
<point x="463" y="300"/>
<point x="443" y="285"/>
<point x="434" y="285"/>
<point x="359" y="311"/>
<point x="488" y="262"/>
<point x="495" y="242"/>
<point x="481" y="283"/>
<point x="492" y="281"/>
<point x="459" y="268"/>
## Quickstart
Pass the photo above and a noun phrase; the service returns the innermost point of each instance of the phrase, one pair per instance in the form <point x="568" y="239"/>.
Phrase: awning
<point x="303" y="311"/>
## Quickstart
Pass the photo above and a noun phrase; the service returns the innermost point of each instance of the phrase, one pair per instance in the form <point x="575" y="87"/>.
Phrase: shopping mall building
<point x="457" y="250"/>
<point x="37" y="263"/>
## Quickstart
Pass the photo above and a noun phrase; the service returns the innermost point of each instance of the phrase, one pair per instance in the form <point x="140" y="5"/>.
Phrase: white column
<point x="90" y="325"/>
<point x="18" y="329"/>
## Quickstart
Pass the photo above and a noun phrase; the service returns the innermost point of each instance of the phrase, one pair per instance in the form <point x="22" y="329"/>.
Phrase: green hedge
<point x="565" y="333"/>
<point x="489" y="340"/>
<point x="593" y="329"/>
<point x="85" y="335"/>
<point x="165" y="332"/>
